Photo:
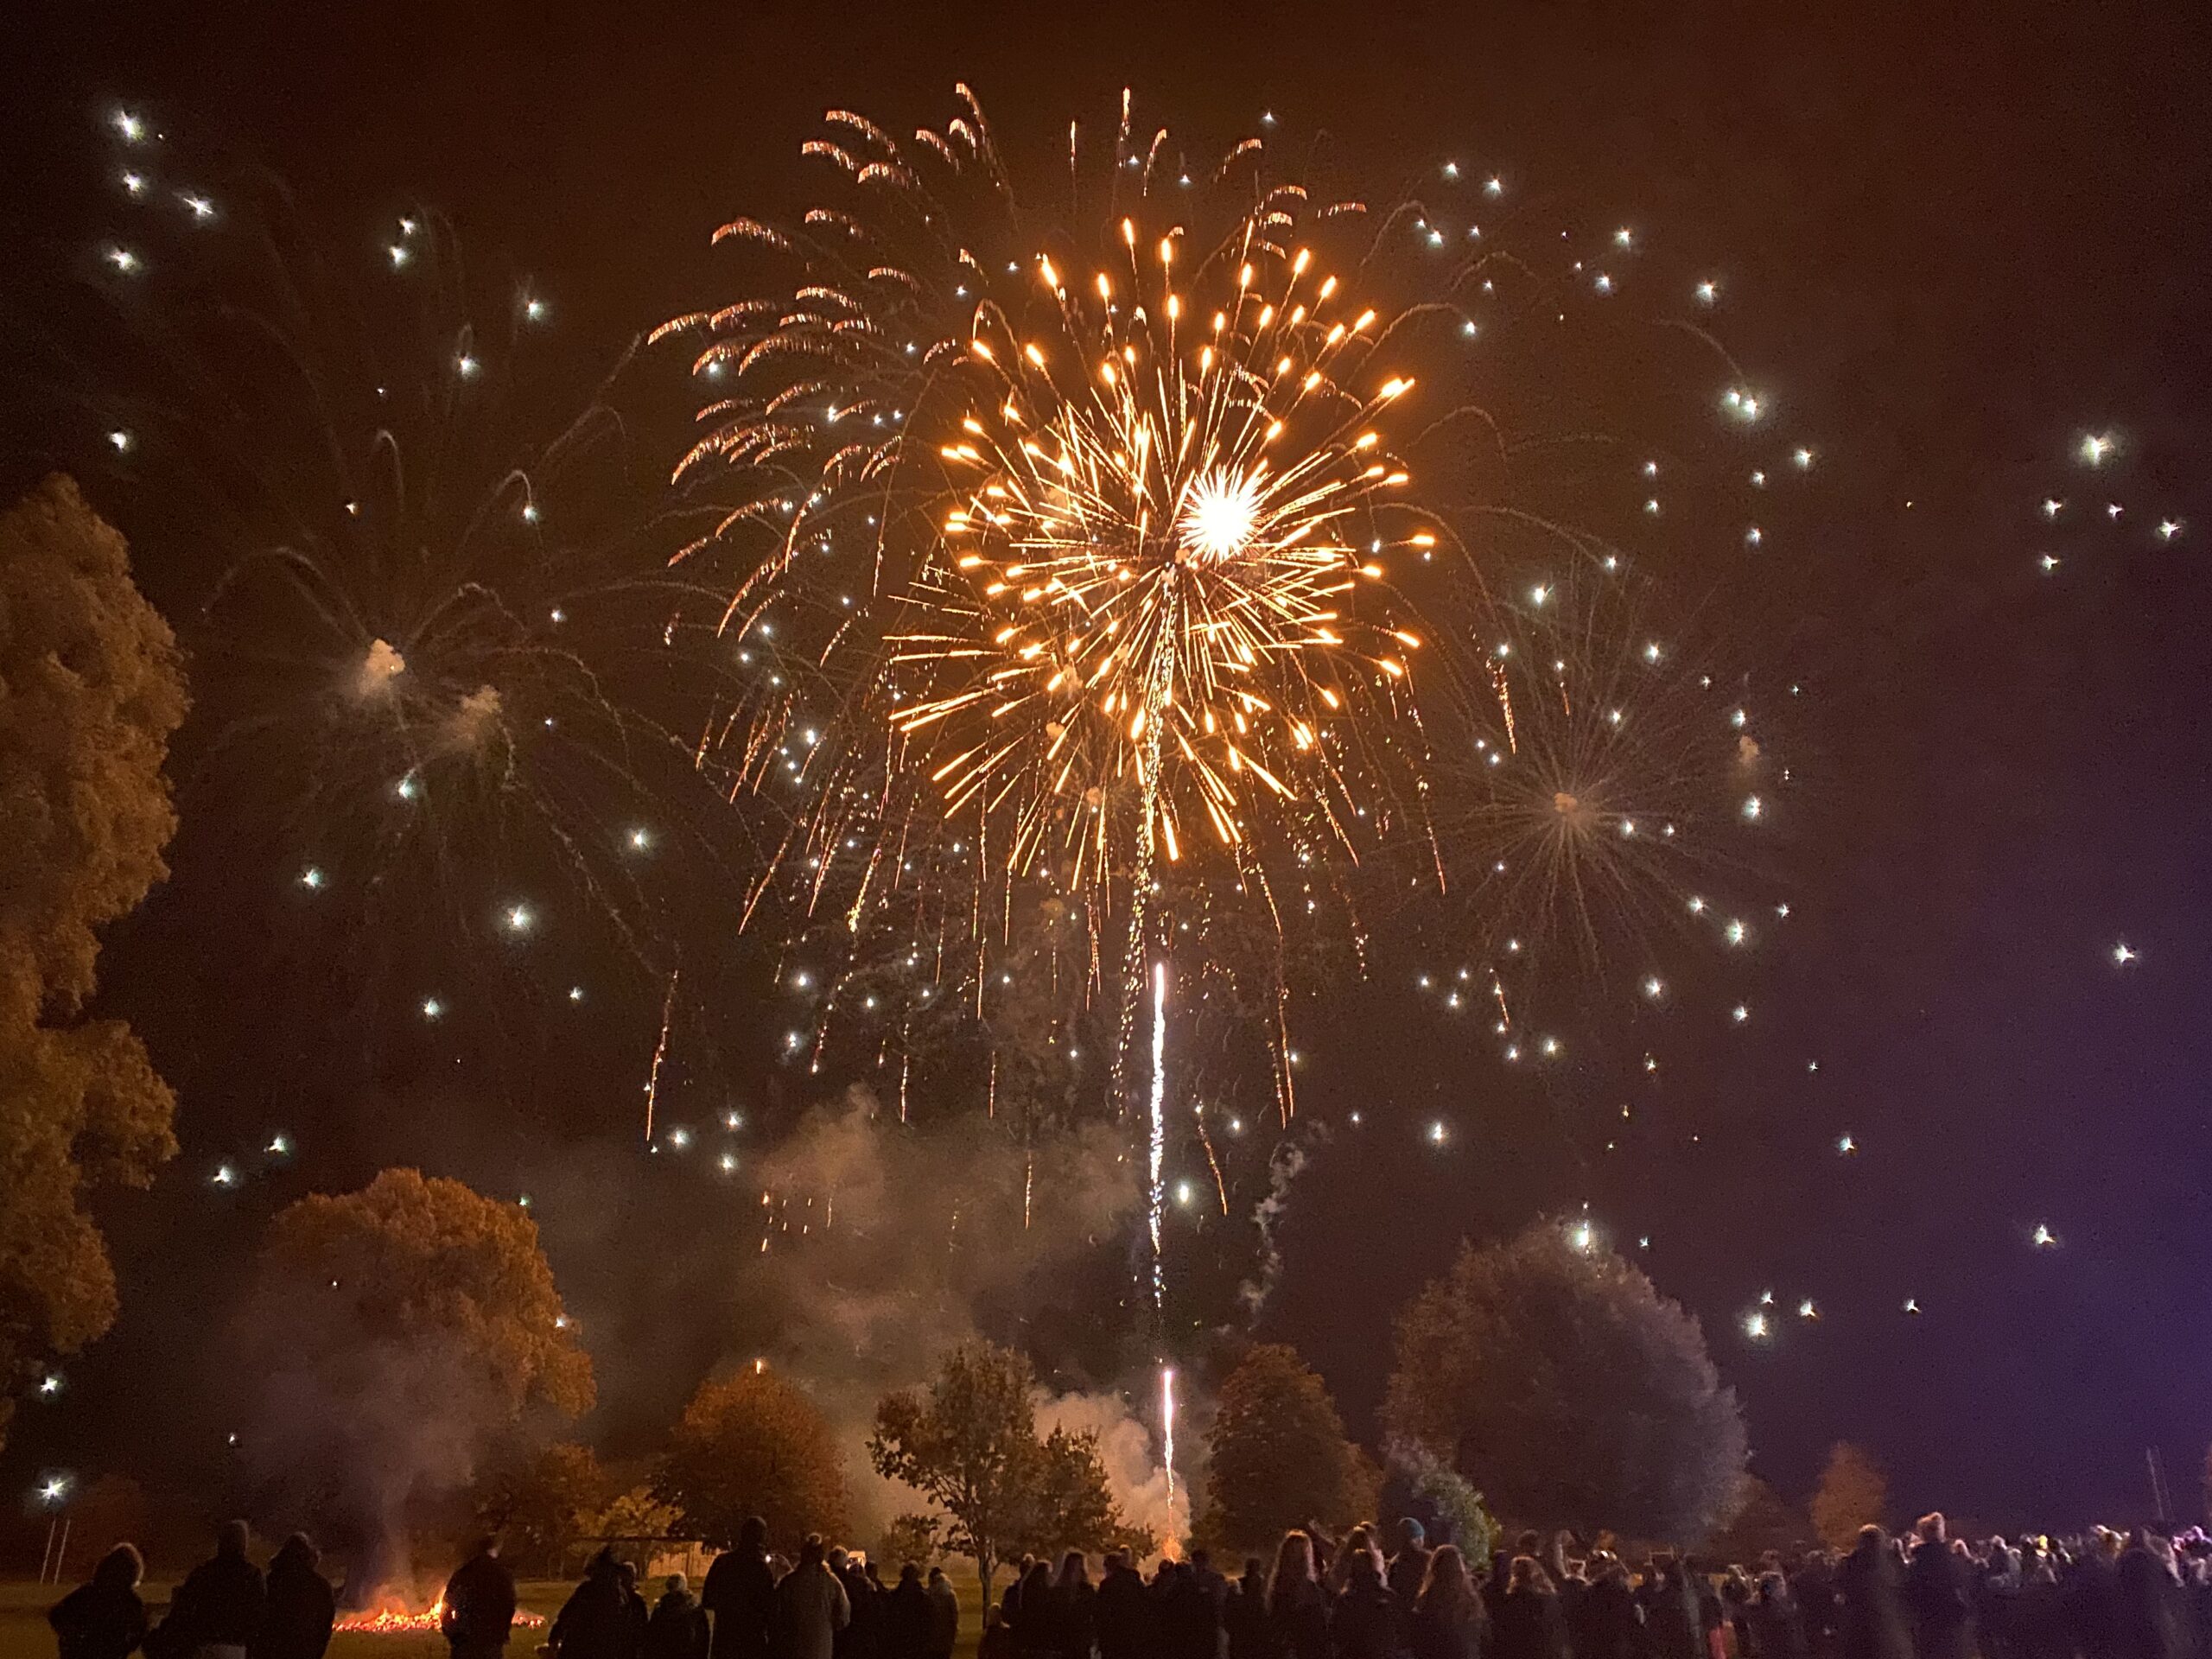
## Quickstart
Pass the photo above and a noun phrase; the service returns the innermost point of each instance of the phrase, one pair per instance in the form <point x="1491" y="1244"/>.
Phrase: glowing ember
<point x="391" y="1619"/>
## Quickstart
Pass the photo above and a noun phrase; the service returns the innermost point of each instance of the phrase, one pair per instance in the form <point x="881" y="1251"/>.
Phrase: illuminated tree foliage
<point x="546" y="1505"/>
<point x="1280" y="1456"/>
<point x="1851" y="1495"/>
<point x="402" y="1335"/>
<point x="91" y="687"/>
<point x="753" y="1444"/>
<point x="1561" y="1382"/>
<point x="1067" y="1503"/>
<point x="969" y="1443"/>
<point x="1762" y="1522"/>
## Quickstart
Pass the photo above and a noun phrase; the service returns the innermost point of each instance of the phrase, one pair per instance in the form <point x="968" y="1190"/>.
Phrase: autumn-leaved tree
<point x="969" y="1443"/>
<point x="1067" y="1503"/>
<point x="91" y="687"/>
<point x="1563" y="1384"/>
<point x="1851" y="1495"/>
<point x="1761" y="1521"/>
<point x="544" y="1505"/>
<point x="401" y="1335"/>
<point x="1280" y="1456"/>
<point x="753" y="1444"/>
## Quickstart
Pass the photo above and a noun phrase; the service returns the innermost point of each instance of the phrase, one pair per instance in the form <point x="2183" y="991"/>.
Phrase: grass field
<point x="24" y="1635"/>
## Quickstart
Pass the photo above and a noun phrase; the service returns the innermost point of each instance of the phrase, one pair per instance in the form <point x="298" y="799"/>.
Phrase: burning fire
<point x="391" y="1619"/>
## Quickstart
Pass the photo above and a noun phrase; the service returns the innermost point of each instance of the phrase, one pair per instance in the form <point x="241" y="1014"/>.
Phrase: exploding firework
<point x="1616" y="794"/>
<point x="1137" y="560"/>
<point x="433" y="698"/>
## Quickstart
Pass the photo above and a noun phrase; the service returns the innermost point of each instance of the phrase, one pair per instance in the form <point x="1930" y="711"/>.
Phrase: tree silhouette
<point x="1564" y="1385"/>
<point x="753" y="1443"/>
<point x="969" y="1443"/>
<point x="400" y="1335"/>
<point x="91" y="687"/>
<point x="1280" y="1456"/>
<point x="1851" y="1492"/>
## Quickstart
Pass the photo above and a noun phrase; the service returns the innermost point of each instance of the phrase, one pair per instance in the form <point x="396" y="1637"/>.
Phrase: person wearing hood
<point x="741" y="1592"/>
<point x="477" y="1611"/>
<point x="103" y="1617"/>
<point x="596" y="1621"/>
<point x="906" y="1617"/>
<point x="862" y="1637"/>
<point x="216" y="1612"/>
<point x="677" y="1626"/>
<point x="301" y="1609"/>
<point x="811" y="1607"/>
<point x="944" y="1614"/>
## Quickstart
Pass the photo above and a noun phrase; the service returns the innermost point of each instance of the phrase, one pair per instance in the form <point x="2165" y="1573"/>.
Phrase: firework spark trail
<point x="1167" y="1434"/>
<point x="1156" y="1188"/>
<point x="1205" y="1140"/>
<point x="1101" y="570"/>
<point x="660" y="1053"/>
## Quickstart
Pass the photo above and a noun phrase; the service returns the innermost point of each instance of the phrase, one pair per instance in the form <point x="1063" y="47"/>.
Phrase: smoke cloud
<point x="887" y="1244"/>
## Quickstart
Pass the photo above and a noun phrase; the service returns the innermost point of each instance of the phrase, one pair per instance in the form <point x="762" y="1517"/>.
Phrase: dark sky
<point x="1963" y="242"/>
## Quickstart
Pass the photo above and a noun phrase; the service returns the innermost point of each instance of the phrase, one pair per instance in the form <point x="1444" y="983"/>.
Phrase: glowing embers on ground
<point x="391" y="1618"/>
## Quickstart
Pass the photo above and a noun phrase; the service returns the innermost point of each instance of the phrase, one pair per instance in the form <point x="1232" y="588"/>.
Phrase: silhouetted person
<point x="1449" y="1619"/>
<point x="811" y="1607"/>
<point x="296" y="1623"/>
<point x="1674" y="1626"/>
<point x="2153" y="1614"/>
<point x="1606" y="1622"/>
<point x="1776" y="1625"/>
<point x="1075" y="1607"/>
<point x="1122" y="1614"/>
<point x="1939" y="1595"/>
<point x="1010" y="1599"/>
<point x="103" y="1617"/>
<point x="1298" y="1608"/>
<point x="1818" y="1603"/>
<point x="678" y="1628"/>
<point x="1036" y="1630"/>
<point x="216" y="1612"/>
<point x="862" y="1637"/>
<point x="944" y="1614"/>
<point x="906" y="1617"/>
<point x="1872" y="1624"/>
<point x="1530" y="1624"/>
<point x="479" y="1605"/>
<point x="1215" y="1588"/>
<point x="997" y="1641"/>
<point x="739" y="1591"/>
<point x="1363" y="1623"/>
<point x="1408" y="1568"/>
<point x="596" y="1621"/>
<point x="1244" y="1614"/>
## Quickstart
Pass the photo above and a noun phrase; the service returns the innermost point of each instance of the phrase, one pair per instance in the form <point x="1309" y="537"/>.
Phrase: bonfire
<point x="391" y="1618"/>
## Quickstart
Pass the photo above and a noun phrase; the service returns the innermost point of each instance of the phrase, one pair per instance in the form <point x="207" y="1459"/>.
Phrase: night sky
<point x="1960" y="248"/>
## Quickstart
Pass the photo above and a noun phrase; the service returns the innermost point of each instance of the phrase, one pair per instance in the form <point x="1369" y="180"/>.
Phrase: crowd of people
<point x="225" y="1608"/>
<point x="2144" y="1596"/>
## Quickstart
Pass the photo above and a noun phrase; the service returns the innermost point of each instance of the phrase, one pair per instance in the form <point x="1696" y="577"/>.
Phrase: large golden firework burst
<point x="1167" y="607"/>
<point x="1089" y="561"/>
